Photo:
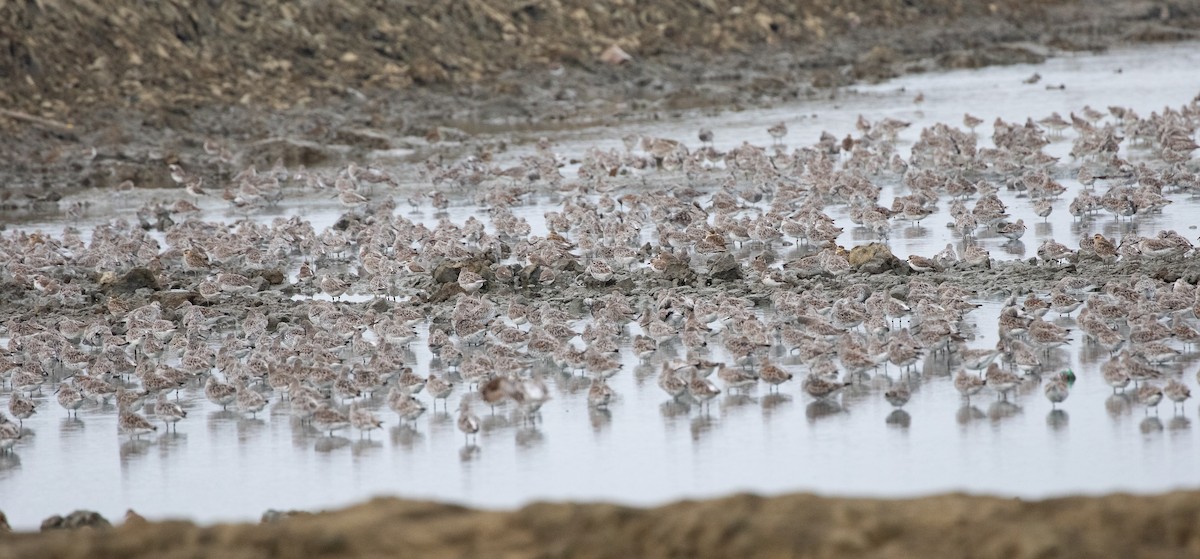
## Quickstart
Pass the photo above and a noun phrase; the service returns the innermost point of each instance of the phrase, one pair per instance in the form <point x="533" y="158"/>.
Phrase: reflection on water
<point x="968" y="413"/>
<point x="1058" y="419"/>
<point x="899" y="418"/>
<point x="470" y="453"/>
<point x="405" y="436"/>
<point x="822" y="409"/>
<point x="329" y="444"/>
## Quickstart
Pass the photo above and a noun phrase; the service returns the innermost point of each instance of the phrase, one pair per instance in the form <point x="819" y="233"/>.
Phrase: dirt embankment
<point x="1122" y="526"/>
<point x="96" y="93"/>
<point x="280" y="52"/>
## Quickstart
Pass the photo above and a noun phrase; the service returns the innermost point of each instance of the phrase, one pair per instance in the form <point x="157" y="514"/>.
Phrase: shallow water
<point x="645" y="450"/>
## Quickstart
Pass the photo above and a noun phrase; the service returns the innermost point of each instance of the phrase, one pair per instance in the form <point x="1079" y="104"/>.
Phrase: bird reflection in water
<point x="469" y="453"/>
<point x="133" y="448"/>
<point x="9" y="461"/>
<point x="330" y="444"/>
<point x="1058" y="419"/>
<point x="773" y="402"/>
<point x="1179" y="423"/>
<point x="1015" y="248"/>
<point x="734" y="400"/>
<point x="822" y="408"/>
<point x="1151" y="425"/>
<point x="529" y="437"/>
<point x="405" y="436"/>
<point x="249" y="427"/>
<point x="365" y="447"/>
<point x="898" y="418"/>
<point x="71" y="424"/>
<point x="1118" y="404"/>
<point x="968" y="413"/>
<point x="1001" y="410"/>
<point x="599" y="417"/>
<point x="171" y="441"/>
<point x="700" y="425"/>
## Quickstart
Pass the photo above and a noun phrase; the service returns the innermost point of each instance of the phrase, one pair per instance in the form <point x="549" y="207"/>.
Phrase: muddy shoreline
<point x="799" y="525"/>
<point x="86" y="116"/>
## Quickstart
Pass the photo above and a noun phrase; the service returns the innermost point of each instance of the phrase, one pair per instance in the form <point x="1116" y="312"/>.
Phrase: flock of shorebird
<point x="496" y="299"/>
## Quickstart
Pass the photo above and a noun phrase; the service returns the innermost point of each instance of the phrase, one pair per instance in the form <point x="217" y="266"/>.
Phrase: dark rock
<point x="875" y="258"/>
<point x="273" y="277"/>
<point x="76" y="520"/>
<point x="447" y="272"/>
<point x="294" y="153"/>
<point x="173" y="299"/>
<point x="725" y="267"/>
<point x="272" y="515"/>
<point x="361" y="138"/>
<point x="133" y="280"/>
<point x="446" y="292"/>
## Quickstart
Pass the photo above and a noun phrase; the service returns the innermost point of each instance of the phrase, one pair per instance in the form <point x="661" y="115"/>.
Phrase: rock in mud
<point x="446" y="292"/>
<point x="273" y="277"/>
<point x="447" y="272"/>
<point x="725" y="267"/>
<point x="363" y="138"/>
<point x="76" y="520"/>
<point x="294" y="153"/>
<point x="875" y="258"/>
<point x="133" y="280"/>
<point x="173" y="299"/>
<point x="272" y="516"/>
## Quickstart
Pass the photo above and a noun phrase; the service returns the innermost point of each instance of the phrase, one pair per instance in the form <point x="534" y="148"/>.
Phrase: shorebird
<point x="1011" y="231"/>
<point x="1149" y="395"/>
<point x="599" y="393"/>
<point x="404" y="404"/>
<point x="1177" y="392"/>
<point x="822" y="388"/>
<point x="167" y="411"/>
<point x="777" y="132"/>
<point x="1057" y="390"/>
<point x="702" y="390"/>
<point x="438" y="388"/>
<point x="898" y="394"/>
<point x="327" y="420"/>
<point x="470" y="281"/>
<point x="735" y="378"/>
<point x="249" y="401"/>
<point x="363" y="420"/>
<point x="69" y="397"/>
<point x="1000" y="380"/>
<point x="468" y="422"/>
<point x="218" y="392"/>
<point x="21" y="407"/>
<point x="971" y="121"/>
<point x="9" y="435"/>
<point x="773" y="374"/>
<point x="133" y="424"/>
<point x="968" y="385"/>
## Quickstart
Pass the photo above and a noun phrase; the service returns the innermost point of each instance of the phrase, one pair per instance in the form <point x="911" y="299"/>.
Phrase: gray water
<point x="221" y="466"/>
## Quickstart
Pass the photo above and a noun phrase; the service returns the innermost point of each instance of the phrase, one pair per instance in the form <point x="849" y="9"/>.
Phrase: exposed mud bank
<point x="738" y="526"/>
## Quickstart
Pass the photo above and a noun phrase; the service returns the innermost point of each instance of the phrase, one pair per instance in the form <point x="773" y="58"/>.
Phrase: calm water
<point x="645" y="450"/>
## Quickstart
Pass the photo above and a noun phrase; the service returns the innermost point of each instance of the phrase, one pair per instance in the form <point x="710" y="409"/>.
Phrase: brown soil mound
<point x="96" y="93"/>
<point x="138" y="53"/>
<point x="740" y="526"/>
